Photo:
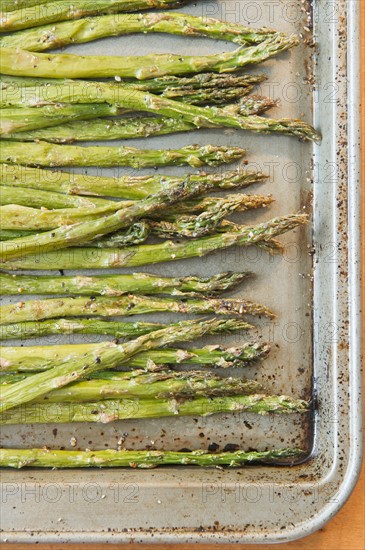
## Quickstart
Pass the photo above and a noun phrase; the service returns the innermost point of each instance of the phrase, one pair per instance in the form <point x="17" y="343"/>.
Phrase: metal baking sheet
<point x="314" y="289"/>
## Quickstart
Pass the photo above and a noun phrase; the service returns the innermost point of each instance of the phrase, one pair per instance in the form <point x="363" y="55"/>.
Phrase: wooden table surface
<point x="346" y="531"/>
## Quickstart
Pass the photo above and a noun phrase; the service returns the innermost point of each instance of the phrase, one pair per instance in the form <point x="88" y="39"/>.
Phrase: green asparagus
<point x="137" y="233"/>
<point x="86" y="30"/>
<point x="40" y="358"/>
<point x="49" y="128"/>
<point x="209" y="220"/>
<point x="51" y="155"/>
<point x="167" y="86"/>
<point x="155" y="385"/>
<point x="124" y="187"/>
<point x="67" y="236"/>
<point x="19" y="62"/>
<point x="61" y="10"/>
<point x="105" y="356"/>
<point x="122" y="409"/>
<point x="117" y="285"/>
<point x="105" y="306"/>
<point x="45" y="199"/>
<point x="84" y="258"/>
<point x="135" y="100"/>
<point x="15" y="120"/>
<point x="110" y="458"/>
<point x="37" y="329"/>
<point x="17" y="217"/>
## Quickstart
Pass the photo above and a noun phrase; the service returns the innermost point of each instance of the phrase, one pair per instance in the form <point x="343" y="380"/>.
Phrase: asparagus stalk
<point x="49" y="128"/>
<point x="46" y="458"/>
<point x="25" y="196"/>
<point x="40" y="358"/>
<point x="79" y="31"/>
<point x="18" y="62"/>
<point x="117" y="285"/>
<point x="155" y="385"/>
<point x="125" y="187"/>
<point x="132" y="99"/>
<point x="105" y="306"/>
<point x="152" y="385"/>
<point x="122" y="409"/>
<point x="61" y="10"/>
<point x="15" y="216"/>
<point x="105" y="356"/>
<point x="137" y="233"/>
<point x="15" y="120"/>
<point x="81" y="258"/>
<point x="167" y="86"/>
<point x="46" y="154"/>
<point x="34" y="329"/>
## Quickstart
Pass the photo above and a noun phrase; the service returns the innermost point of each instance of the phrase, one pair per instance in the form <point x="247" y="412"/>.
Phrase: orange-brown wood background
<point x="346" y="531"/>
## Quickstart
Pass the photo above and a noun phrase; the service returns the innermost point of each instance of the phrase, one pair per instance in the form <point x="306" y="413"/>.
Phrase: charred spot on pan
<point x="231" y="447"/>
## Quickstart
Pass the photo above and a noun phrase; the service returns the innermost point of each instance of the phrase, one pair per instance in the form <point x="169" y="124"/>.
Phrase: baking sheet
<point x="304" y="325"/>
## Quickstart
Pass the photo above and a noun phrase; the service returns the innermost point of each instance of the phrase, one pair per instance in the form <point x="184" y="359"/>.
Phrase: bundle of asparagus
<point x="127" y="98"/>
<point x="60" y="220"/>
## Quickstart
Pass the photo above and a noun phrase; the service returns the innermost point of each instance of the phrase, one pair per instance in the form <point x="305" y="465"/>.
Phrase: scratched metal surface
<point x="307" y="335"/>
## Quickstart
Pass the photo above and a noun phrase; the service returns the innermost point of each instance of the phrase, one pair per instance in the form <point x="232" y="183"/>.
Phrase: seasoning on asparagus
<point x="110" y="458"/>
